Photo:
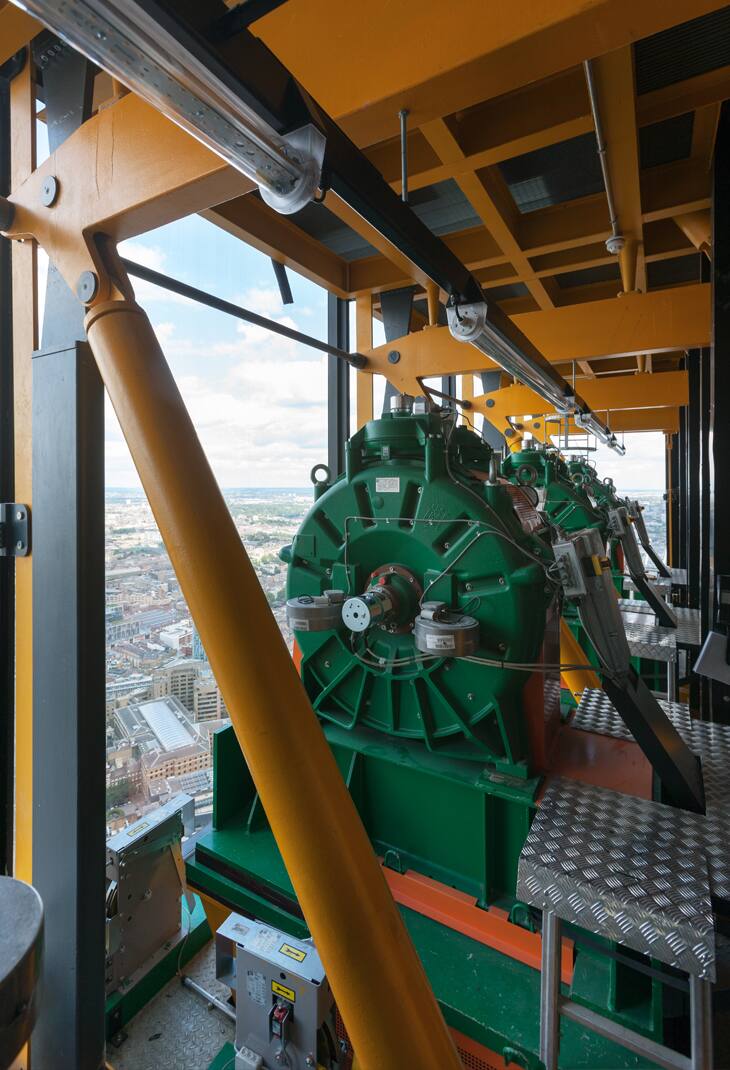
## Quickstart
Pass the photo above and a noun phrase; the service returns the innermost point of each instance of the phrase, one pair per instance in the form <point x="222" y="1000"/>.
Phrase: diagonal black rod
<point x="139" y="271"/>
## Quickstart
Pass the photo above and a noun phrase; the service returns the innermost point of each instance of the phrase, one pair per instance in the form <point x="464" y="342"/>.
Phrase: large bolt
<point x="49" y="191"/>
<point x="393" y="356"/>
<point x="87" y="286"/>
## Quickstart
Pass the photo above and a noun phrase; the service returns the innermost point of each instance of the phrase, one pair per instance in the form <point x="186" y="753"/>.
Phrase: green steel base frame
<point x="122" y="1005"/>
<point x="484" y="994"/>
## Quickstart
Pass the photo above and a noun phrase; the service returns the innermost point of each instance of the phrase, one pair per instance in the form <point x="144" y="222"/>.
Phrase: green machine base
<point x="484" y="994"/>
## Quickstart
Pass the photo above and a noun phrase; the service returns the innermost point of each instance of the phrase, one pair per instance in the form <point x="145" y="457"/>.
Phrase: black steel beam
<point x="682" y="491"/>
<point x="694" y="525"/>
<point x="338" y="384"/>
<point x="719" y="430"/>
<point x="706" y="592"/>
<point x="139" y="271"/>
<point x="396" y="307"/>
<point x="69" y="737"/>
<point x="263" y="83"/>
<point x="282" y="281"/>
<point x="242" y="16"/>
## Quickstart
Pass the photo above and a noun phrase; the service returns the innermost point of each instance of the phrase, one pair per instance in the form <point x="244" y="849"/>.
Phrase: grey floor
<point x="177" y="1031"/>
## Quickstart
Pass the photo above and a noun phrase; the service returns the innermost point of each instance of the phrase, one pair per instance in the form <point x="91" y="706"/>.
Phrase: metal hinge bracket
<point x="14" y="529"/>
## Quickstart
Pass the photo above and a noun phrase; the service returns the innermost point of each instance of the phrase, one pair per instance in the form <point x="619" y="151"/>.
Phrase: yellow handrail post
<point x="380" y="986"/>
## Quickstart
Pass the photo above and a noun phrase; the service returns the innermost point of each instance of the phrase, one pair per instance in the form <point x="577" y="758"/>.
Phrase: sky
<point x="259" y="401"/>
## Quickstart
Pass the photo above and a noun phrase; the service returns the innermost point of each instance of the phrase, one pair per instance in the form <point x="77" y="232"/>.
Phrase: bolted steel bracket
<point x="14" y="529"/>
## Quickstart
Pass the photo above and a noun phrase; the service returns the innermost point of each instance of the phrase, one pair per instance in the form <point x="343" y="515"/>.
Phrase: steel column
<point x="338" y="384"/>
<point x="682" y="534"/>
<point x="693" y="479"/>
<point x="396" y="307"/>
<point x="719" y="429"/>
<point x="491" y="381"/>
<point x="69" y="757"/>
<point x="69" y="737"/>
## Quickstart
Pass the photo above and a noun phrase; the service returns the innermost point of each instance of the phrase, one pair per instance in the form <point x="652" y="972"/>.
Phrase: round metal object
<point x="420" y="406"/>
<point x="401" y="603"/>
<point x="393" y="356"/>
<point x="364" y="610"/>
<point x="21" y="948"/>
<point x="313" y="475"/>
<point x="49" y="191"/>
<point x="401" y="403"/>
<point x="87" y="286"/>
<point x="440" y="631"/>
<point x="315" y="613"/>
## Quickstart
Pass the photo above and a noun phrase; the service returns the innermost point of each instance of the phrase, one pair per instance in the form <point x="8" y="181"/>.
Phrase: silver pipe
<point x="550" y="989"/>
<point x="403" y="116"/>
<point x="601" y="143"/>
<point x="219" y="1005"/>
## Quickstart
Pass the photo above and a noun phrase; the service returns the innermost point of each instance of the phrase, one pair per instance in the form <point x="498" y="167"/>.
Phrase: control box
<point x="284" y="1004"/>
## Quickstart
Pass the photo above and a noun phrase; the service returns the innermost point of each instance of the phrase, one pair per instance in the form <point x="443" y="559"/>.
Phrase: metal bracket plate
<point x="14" y="529"/>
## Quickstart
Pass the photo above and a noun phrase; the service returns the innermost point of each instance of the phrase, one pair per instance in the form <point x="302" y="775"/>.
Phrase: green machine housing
<point x="563" y="499"/>
<point x="443" y="756"/>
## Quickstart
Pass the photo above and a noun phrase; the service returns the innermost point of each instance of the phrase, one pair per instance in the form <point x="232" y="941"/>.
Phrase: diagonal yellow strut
<point x="381" y="988"/>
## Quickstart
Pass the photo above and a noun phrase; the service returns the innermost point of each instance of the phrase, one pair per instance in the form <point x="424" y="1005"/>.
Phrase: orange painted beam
<point x="460" y="912"/>
<point x="436" y="66"/>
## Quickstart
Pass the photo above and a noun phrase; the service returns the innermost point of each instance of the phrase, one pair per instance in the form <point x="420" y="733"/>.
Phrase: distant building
<point x="177" y="679"/>
<point x="143" y="624"/>
<point x="167" y="740"/>
<point x="198" y="648"/>
<point x="209" y="704"/>
<point x="177" y="635"/>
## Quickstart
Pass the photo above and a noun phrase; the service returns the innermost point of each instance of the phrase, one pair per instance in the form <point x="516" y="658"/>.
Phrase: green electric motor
<point x="411" y="581"/>
<point x="602" y="492"/>
<point x="564" y="500"/>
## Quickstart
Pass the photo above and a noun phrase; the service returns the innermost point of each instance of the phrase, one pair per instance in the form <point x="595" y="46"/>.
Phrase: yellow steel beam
<point x="709" y="88"/>
<point x="668" y="191"/>
<point x="451" y="63"/>
<point x="25" y="341"/>
<point x="629" y="421"/>
<point x="614" y="74"/>
<point x="656" y="322"/>
<point x="249" y="219"/>
<point x="17" y="28"/>
<point x="704" y="131"/>
<point x="489" y="197"/>
<point x="146" y="171"/>
<point x="674" y="189"/>
<point x="645" y="391"/>
<point x="363" y="341"/>
<point x="533" y="117"/>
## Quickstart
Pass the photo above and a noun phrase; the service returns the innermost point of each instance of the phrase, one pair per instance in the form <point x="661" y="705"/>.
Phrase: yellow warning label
<point x="293" y="952"/>
<point x="283" y="991"/>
